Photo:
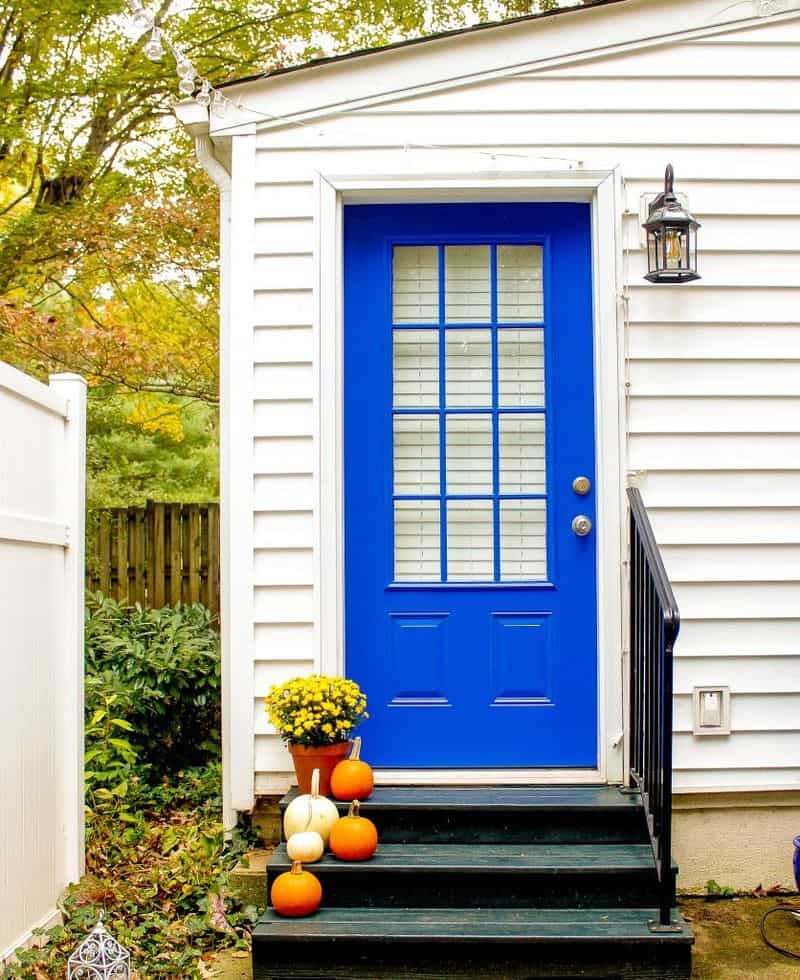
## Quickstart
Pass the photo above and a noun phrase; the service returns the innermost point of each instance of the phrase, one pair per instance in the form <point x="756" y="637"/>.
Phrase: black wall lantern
<point x="671" y="238"/>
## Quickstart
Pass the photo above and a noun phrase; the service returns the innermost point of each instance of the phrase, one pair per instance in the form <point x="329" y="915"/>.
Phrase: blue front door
<point x="470" y="600"/>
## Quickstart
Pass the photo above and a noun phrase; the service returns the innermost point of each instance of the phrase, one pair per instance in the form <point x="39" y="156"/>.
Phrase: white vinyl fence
<point x="42" y="489"/>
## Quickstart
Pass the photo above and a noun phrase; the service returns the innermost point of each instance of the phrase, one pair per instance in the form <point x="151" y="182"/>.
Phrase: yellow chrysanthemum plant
<point x="316" y="710"/>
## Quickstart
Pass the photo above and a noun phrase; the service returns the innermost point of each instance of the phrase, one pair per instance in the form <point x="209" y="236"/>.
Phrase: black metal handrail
<point x="654" y="623"/>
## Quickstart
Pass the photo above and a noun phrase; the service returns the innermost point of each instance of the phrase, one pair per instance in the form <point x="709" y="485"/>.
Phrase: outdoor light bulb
<point x="154" y="49"/>
<point x="142" y="19"/>
<point x="203" y="97"/>
<point x="673" y="246"/>
<point x="184" y="67"/>
<point x="186" y="85"/>
<point x="219" y="104"/>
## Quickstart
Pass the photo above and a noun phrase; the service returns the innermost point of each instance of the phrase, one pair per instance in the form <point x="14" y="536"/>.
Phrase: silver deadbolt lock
<point x="581" y="525"/>
<point x="581" y="485"/>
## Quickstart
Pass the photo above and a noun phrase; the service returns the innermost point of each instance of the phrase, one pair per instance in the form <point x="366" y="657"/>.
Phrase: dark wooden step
<point x="487" y="876"/>
<point x="503" y="814"/>
<point x="507" y="944"/>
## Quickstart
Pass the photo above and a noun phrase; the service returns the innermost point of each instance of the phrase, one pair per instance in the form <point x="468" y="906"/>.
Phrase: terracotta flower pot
<point x="323" y="757"/>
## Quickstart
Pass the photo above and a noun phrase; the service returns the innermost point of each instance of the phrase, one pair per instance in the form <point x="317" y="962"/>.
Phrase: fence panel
<point x="156" y="555"/>
<point x="42" y="501"/>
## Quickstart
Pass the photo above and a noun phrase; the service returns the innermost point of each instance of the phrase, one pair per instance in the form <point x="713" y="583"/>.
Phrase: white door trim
<point x="601" y="187"/>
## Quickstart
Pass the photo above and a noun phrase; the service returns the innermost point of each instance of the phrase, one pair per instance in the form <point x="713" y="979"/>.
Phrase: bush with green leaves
<point x="152" y="690"/>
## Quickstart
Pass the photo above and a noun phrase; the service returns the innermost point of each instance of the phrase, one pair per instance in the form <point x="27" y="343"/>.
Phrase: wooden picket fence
<point x="156" y="555"/>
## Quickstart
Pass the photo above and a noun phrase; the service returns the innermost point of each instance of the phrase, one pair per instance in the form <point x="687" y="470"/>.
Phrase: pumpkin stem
<point x="315" y="783"/>
<point x="356" y="750"/>
<point x="355" y="806"/>
<point x="297" y="867"/>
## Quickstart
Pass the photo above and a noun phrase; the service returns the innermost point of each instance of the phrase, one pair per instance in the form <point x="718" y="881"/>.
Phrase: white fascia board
<point x="579" y="35"/>
<point x="192" y="116"/>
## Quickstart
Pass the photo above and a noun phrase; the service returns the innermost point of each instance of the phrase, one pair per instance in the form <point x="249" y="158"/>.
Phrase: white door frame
<point x="602" y="188"/>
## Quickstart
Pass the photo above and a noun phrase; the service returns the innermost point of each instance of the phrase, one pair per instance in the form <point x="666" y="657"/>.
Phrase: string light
<point x="154" y="49"/>
<point x="142" y="19"/>
<point x="203" y="97"/>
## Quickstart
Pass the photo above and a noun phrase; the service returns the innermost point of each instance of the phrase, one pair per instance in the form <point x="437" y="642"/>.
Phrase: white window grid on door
<point x="469" y="413"/>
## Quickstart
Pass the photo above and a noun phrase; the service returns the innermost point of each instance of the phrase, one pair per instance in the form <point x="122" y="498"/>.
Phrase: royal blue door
<point x="470" y="599"/>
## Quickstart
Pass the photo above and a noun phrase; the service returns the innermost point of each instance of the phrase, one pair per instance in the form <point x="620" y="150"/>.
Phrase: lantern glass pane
<point x="652" y="250"/>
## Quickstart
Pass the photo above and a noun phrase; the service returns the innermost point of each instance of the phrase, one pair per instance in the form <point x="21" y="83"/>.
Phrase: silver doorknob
<point x="581" y="525"/>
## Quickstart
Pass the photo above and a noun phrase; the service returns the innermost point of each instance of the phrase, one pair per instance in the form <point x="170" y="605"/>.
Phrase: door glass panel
<point x="470" y="540"/>
<point x="469" y="454"/>
<point x="416" y="368"/>
<point x="485" y="421"/>
<point x="467" y="288"/>
<point x="523" y="540"/>
<point x="416" y="455"/>
<point x="416" y="541"/>
<point x="520" y="368"/>
<point x="522" y="454"/>
<point x="468" y="368"/>
<point x="520" y="285"/>
<point x="415" y="293"/>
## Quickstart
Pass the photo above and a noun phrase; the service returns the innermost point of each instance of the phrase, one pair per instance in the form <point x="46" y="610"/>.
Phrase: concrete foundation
<point x="740" y="840"/>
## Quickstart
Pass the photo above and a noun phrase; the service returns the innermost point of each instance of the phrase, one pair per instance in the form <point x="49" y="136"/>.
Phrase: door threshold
<point x="488" y="777"/>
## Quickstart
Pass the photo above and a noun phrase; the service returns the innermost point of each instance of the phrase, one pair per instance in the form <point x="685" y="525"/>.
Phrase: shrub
<point x="152" y="688"/>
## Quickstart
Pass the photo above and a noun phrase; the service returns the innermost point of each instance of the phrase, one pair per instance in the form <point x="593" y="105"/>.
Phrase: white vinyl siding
<point x="714" y="399"/>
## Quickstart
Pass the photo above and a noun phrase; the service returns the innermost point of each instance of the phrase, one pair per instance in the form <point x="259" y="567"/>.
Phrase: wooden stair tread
<point x="501" y="798"/>
<point x="471" y="925"/>
<point x="498" y="858"/>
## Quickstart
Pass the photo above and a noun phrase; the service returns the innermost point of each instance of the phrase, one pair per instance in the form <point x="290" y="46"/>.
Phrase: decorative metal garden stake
<point x="99" y="957"/>
<point x="671" y="237"/>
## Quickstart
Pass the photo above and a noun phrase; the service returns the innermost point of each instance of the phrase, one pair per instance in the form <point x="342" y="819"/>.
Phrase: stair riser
<point x="378" y="888"/>
<point x="468" y="961"/>
<point x="525" y="827"/>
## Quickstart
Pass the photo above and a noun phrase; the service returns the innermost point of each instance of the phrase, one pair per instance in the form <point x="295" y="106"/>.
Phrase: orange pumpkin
<point x="352" y="779"/>
<point x="296" y="893"/>
<point x="353" y="838"/>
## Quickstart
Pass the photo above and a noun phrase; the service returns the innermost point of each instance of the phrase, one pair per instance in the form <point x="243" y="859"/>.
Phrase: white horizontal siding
<point x="713" y="369"/>
<point x="706" y="487"/>
<point x="732" y="525"/>
<point x="751" y="639"/>
<point x="749" y="713"/>
<point x="720" y="451"/>
<point x="738" y="379"/>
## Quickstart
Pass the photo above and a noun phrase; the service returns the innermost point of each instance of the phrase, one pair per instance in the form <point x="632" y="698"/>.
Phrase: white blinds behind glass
<point x="523" y="540"/>
<point x="520" y="288"/>
<point x="470" y="540"/>
<point x="416" y="455"/>
<point x="522" y="454"/>
<point x="416" y="368"/>
<point x="467" y="284"/>
<point x="468" y="368"/>
<point x="415" y="291"/>
<point x="469" y="454"/>
<point x="520" y="368"/>
<point x="416" y="541"/>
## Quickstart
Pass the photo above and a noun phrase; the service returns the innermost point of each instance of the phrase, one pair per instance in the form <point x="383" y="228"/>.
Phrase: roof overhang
<point x="578" y="35"/>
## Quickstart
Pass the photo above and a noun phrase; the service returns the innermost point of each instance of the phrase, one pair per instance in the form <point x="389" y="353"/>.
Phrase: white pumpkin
<point x="307" y="846"/>
<point x="310" y="812"/>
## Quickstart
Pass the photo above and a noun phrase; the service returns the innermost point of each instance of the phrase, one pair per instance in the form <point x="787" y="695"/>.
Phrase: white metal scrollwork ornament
<point x="99" y="957"/>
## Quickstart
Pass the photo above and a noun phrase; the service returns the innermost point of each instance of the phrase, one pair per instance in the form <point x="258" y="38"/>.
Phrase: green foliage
<point x="715" y="890"/>
<point x="159" y="866"/>
<point x="126" y="457"/>
<point x="158" y="672"/>
<point x="158" y="861"/>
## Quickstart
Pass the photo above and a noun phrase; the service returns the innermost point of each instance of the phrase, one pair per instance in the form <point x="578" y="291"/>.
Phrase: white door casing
<point x="602" y="188"/>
